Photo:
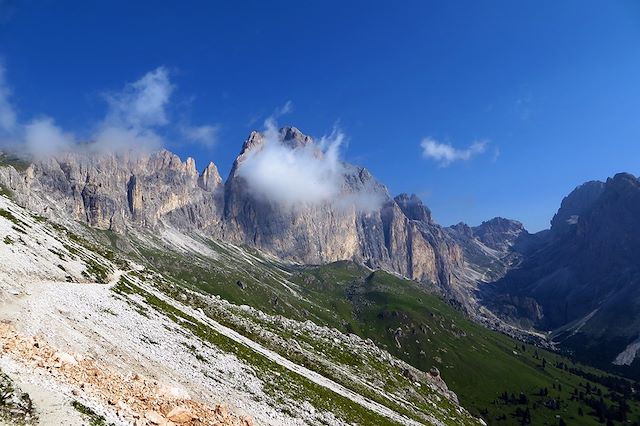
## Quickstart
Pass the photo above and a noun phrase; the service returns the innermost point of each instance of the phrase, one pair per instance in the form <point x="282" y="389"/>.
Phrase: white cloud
<point x="289" y="175"/>
<point x="119" y="139"/>
<point x="305" y="174"/>
<point x="135" y="113"/>
<point x="134" y="118"/>
<point x="285" y="109"/>
<point x="446" y="154"/>
<point x="130" y="123"/>
<point x="206" y="135"/>
<point x="142" y="103"/>
<point x="43" y="138"/>
<point x="7" y="112"/>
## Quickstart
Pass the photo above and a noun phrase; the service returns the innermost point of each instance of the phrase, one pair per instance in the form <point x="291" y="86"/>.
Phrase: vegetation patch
<point x="92" y="417"/>
<point x="16" y="407"/>
<point x="279" y="382"/>
<point x="96" y="270"/>
<point x="420" y="328"/>
<point x="14" y="161"/>
<point x="10" y="216"/>
<point x="6" y="192"/>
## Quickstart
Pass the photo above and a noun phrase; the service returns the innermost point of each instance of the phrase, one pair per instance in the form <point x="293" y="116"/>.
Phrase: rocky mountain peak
<point x="463" y="230"/>
<point x="293" y="137"/>
<point x="623" y="181"/>
<point x="499" y="233"/>
<point x="190" y="166"/>
<point x="413" y="208"/>
<point x="289" y="136"/>
<point x="577" y="203"/>
<point x="210" y="178"/>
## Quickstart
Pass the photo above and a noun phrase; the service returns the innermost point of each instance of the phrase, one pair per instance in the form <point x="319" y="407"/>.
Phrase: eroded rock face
<point x="413" y="208"/>
<point x="575" y="204"/>
<point x="310" y="233"/>
<point x="582" y="281"/>
<point x="397" y="235"/>
<point x="111" y="191"/>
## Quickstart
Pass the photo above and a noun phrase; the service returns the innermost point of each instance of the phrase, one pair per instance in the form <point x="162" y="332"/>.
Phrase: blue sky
<point x="547" y="92"/>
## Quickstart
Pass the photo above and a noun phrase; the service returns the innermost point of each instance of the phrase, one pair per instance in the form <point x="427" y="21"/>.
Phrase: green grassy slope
<point x="504" y="381"/>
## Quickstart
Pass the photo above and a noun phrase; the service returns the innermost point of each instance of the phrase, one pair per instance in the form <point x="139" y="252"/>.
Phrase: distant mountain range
<point x="581" y="280"/>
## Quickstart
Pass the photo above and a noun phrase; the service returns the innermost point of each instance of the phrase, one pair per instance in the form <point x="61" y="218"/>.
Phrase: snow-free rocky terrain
<point x="92" y="334"/>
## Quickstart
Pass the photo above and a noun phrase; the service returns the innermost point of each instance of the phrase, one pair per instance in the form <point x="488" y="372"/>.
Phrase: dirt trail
<point x="136" y="399"/>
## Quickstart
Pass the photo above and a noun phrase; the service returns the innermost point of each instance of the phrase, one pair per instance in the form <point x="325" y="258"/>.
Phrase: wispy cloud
<point x="43" y="138"/>
<point x="136" y="117"/>
<point x="206" y="135"/>
<point x="7" y="111"/>
<point x="496" y="154"/>
<point x="135" y="113"/>
<point x="445" y="153"/>
<point x="524" y="106"/>
<point x="283" y="110"/>
<point x="142" y="103"/>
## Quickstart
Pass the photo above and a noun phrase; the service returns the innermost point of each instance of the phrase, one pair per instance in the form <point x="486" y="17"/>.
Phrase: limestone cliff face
<point x="111" y="191"/>
<point x="310" y="233"/>
<point x="434" y="255"/>
<point x="117" y="191"/>
<point x="397" y="235"/>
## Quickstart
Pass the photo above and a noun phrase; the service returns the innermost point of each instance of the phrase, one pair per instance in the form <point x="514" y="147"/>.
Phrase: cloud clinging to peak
<point x="445" y="153"/>
<point x="295" y="175"/>
<point x="289" y="175"/>
<point x="43" y="138"/>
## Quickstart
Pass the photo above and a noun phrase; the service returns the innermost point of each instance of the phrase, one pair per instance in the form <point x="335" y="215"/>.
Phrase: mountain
<point x="131" y="274"/>
<point x="499" y="233"/>
<point x="101" y="327"/>
<point x="120" y="191"/>
<point x="128" y="191"/>
<point x="581" y="282"/>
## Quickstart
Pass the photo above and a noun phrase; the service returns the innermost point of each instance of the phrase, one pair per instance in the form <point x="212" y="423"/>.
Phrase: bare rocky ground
<point x="135" y="399"/>
<point x="87" y="354"/>
<point x="63" y="342"/>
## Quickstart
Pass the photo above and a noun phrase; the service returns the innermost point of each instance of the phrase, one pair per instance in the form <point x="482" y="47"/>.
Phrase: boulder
<point x="155" y="418"/>
<point x="180" y="415"/>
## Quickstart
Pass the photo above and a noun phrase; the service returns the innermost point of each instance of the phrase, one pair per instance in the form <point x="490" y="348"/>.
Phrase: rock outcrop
<point x="113" y="191"/>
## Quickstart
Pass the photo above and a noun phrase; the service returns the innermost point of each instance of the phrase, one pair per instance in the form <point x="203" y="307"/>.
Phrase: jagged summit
<point x="575" y="204"/>
<point x="289" y="135"/>
<point x="413" y="207"/>
<point x="294" y="137"/>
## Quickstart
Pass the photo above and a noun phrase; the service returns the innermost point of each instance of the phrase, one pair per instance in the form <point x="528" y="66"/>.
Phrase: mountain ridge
<point x="118" y="190"/>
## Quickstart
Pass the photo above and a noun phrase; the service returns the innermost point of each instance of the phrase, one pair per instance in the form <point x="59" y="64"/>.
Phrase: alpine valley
<point x="136" y="289"/>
